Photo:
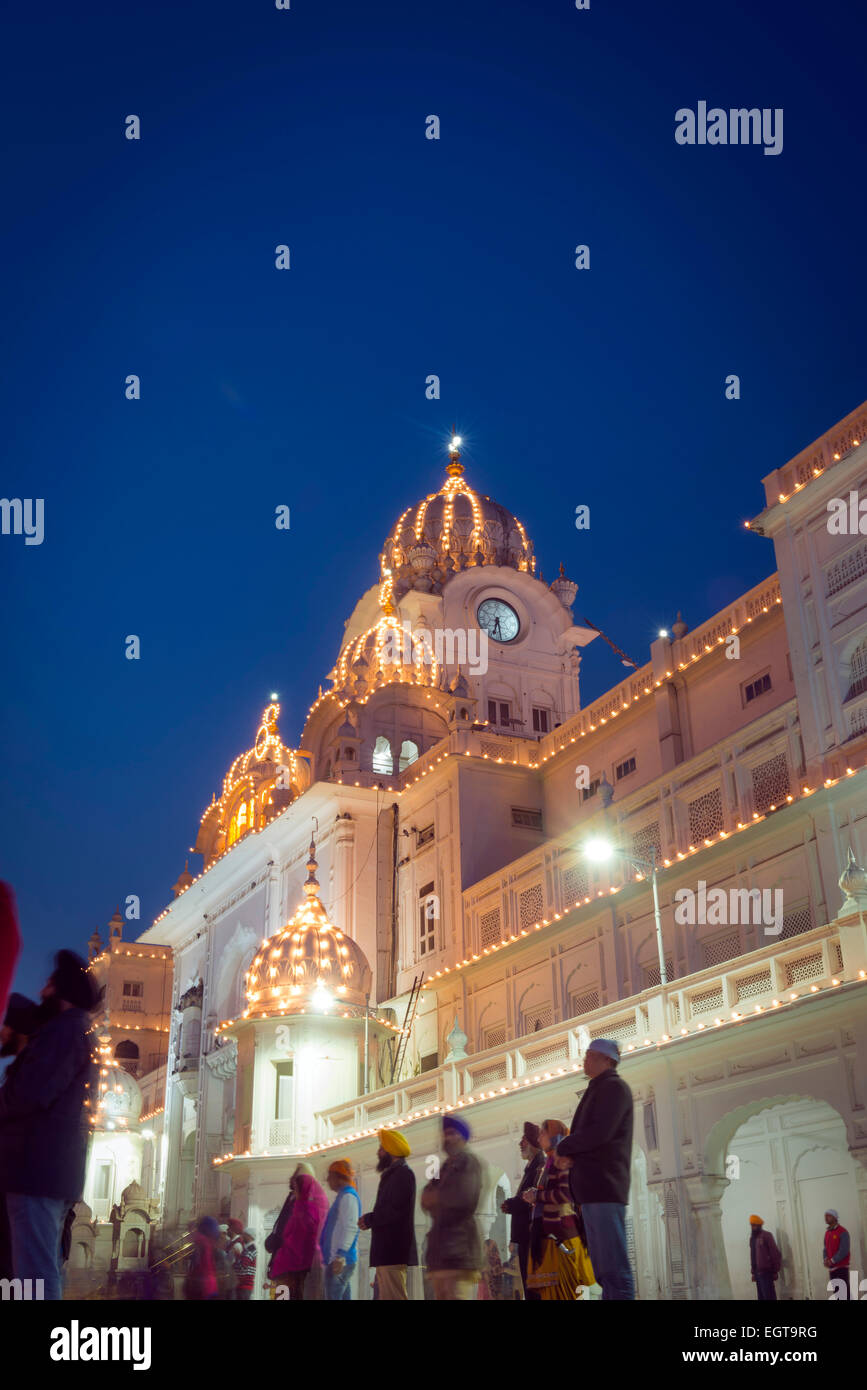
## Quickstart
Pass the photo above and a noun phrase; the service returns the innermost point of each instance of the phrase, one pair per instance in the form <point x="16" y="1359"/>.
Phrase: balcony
<point x="708" y="999"/>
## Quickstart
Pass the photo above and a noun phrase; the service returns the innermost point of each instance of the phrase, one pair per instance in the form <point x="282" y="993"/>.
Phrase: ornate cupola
<point x="309" y="966"/>
<point x="259" y="785"/>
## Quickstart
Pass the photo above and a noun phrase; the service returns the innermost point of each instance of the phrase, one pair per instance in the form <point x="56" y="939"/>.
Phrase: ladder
<point x="409" y="1019"/>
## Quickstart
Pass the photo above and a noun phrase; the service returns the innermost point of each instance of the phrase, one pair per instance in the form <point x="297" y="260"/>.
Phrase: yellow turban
<point x="756" y="1221"/>
<point x="394" y="1143"/>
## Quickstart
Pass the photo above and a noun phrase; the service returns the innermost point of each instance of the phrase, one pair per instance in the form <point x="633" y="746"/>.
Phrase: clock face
<point x="498" y="620"/>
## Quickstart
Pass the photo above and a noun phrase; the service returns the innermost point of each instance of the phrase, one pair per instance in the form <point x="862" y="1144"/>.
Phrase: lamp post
<point x="601" y="850"/>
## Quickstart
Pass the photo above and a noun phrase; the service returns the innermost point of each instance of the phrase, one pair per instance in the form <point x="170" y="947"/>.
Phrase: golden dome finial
<point x="454" y="467"/>
<point x="311" y="887"/>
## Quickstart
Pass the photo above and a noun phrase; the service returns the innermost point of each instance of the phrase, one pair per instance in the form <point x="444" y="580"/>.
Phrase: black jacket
<point x="519" y="1210"/>
<point x="392" y="1220"/>
<point x="600" y="1141"/>
<point x="453" y="1241"/>
<point x="44" y="1125"/>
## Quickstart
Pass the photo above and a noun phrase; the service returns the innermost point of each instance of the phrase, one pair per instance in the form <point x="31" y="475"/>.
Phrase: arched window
<point x="382" y="759"/>
<point x="858" y="672"/>
<point x="408" y="753"/>
<point x="127" y="1054"/>
<point x="238" y="823"/>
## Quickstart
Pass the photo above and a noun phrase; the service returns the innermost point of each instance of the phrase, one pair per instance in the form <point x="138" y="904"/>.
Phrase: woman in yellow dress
<point x="559" y="1264"/>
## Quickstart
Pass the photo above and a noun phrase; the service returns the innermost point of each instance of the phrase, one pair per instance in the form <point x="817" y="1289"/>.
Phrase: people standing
<point x="765" y="1261"/>
<point x="242" y="1249"/>
<point x="516" y="1207"/>
<point x="20" y="1020"/>
<point x="600" y="1142"/>
<point x="836" y="1253"/>
<point x="339" y="1239"/>
<point x="274" y="1240"/>
<point x="559" y="1264"/>
<point x="392" y="1221"/>
<point x="202" y="1282"/>
<point x="454" y="1247"/>
<point x="299" y="1249"/>
<point x="44" y="1124"/>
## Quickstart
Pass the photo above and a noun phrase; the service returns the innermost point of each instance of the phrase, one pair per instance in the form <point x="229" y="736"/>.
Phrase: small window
<point x="382" y="759"/>
<point x="133" y="989"/>
<point x="541" y="720"/>
<point x="623" y="769"/>
<point x="430" y="1062"/>
<point x="283" y="1090"/>
<point x="428" y="911"/>
<point x="587" y="792"/>
<point x="753" y="689"/>
<point x="530" y="820"/>
<point x="424" y="837"/>
<point x="499" y="712"/>
<point x="102" y="1187"/>
<point x="408" y="754"/>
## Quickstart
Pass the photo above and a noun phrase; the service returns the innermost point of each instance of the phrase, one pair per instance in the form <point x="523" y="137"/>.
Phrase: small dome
<point x="308" y="967"/>
<point x="122" y="1098"/>
<point x="259" y="785"/>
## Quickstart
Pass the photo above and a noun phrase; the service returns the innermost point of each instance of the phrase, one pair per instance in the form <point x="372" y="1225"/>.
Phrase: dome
<point x="308" y="967"/>
<point x="122" y="1099"/>
<point x="259" y="785"/>
<point x="448" y="531"/>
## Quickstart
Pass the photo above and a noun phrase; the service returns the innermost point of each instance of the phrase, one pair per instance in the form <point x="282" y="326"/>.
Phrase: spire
<point x="311" y="886"/>
<point x="454" y="467"/>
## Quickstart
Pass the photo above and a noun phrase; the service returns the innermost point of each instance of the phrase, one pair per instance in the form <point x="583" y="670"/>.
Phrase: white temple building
<point x="448" y="942"/>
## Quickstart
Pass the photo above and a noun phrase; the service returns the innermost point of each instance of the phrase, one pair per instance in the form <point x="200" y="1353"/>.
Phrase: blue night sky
<point x="307" y="388"/>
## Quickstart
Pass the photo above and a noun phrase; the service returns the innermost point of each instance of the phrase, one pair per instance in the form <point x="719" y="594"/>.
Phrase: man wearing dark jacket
<point x="44" y="1124"/>
<point x="392" y="1220"/>
<point x="600" y="1143"/>
<point x="519" y="1210"/>
<point x="454" y="1246"/>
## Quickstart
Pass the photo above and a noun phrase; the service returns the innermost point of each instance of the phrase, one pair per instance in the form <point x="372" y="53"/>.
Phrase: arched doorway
<point x="787" y="1160"/>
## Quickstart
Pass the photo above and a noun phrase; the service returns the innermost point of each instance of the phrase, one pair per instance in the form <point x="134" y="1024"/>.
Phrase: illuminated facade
<point x="453" y="799"/>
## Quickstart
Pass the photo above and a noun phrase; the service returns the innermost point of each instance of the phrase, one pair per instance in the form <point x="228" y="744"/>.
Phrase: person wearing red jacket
<point x="836" y="1254"/>
<point x="10" y="943"/>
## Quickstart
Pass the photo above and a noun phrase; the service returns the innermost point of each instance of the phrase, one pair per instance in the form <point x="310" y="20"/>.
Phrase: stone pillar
<point x="709" y="1275"/>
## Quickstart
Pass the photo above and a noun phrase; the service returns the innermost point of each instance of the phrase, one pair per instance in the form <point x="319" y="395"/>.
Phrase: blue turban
<point x="460" y="1126"/>
<point x="209" y="1227"/>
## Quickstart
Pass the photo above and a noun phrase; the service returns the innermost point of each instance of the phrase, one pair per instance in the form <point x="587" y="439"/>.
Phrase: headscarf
<point x="531" y="1134"/>
<point x="344" y="1169"/>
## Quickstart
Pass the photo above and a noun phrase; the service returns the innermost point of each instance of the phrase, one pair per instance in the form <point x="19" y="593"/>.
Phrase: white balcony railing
<point x="685" y="1006"/>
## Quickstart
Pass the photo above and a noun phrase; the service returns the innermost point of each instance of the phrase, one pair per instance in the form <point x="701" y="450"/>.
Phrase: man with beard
<point x="21" y="1019"/>
<point x="392" y="1220"/>
<point x="454" y="1247"/>
<point x="44" y="1124"/>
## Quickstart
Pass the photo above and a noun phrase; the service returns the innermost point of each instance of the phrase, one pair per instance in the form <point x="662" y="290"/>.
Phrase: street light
<point x="599" y="851"/>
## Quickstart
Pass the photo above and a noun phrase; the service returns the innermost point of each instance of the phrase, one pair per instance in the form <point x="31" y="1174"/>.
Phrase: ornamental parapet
<point x="777" y="978"/>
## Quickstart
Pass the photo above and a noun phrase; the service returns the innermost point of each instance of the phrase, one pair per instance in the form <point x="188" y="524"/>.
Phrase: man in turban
<point x="516" y="1207"/>
<point x="454" y="1248"/>
<point x="765" y="1261"/>
<point x="392" y="1221"/>
<point x="339" y="1239"/>
<point x="44" y="1124"/>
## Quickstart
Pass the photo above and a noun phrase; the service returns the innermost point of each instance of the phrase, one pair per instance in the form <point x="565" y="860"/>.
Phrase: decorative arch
<point x="383" y="759"/>
<point x="721" y="1134"/>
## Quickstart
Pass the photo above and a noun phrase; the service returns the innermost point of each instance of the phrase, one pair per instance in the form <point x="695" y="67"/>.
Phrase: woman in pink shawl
<point x="300" y="1249"/>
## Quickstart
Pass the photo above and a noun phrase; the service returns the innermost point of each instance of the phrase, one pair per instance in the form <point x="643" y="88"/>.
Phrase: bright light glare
<point x="663" y="632"/>
<point x="456" y="442"/>
<point x="598" y="850"/>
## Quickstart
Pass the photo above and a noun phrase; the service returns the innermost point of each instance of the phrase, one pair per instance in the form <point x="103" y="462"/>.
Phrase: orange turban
<point x="756" y="1221"/>
<point x="343" y="1168"/>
